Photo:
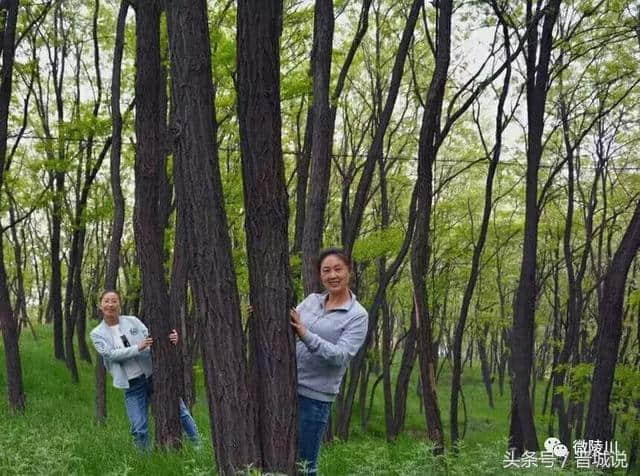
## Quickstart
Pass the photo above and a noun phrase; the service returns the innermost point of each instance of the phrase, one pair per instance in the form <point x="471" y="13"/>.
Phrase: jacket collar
<point x="346" y="306"/>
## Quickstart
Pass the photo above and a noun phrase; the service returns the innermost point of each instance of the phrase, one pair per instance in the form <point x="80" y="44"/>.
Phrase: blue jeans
<point x="137" y="399"/>
<point x="313" y="416"/>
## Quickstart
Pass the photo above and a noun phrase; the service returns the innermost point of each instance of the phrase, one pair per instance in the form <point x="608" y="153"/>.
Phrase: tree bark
<point x="149" y="231"/>
<point x="427" y="151"/>
<point x="272" y="344"/>
<point x="522" y="431"/>
<point x="322" y="140"/>
<point x="200" y="202"/>
<point x="8" y="322"/>
<point x="404" y="376"/>
<point x="609" y="332"/>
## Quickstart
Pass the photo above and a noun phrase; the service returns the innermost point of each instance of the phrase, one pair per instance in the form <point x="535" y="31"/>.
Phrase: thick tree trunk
<point x="8" y="322"/>
<point x="55" y="286"/>
<point x="522" y="432"/>
<point x="272" y="350"/>
<point x="200" y="203"/>
<point x="598" y="425"/>
<point x="149" y="231"/>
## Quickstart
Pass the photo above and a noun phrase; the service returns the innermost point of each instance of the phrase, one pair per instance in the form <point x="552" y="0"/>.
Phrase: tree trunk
<point x="484" y="362"/>
<point x="609" y="332"/>
<point x="522" y="431"/>
<point x="272" y="343"/>
<point x="353" y="221"/>
<point x="404" y="377"/>
<point x="302" y="171"/>
<point x="427" y="150"/>
<point x="200" y="202"/>
<point x="474" y="273"/>
<point x="149" y="231"/>
<point x="8" y="322"/>
<point x="322" y="133"/>
<point x="117" y="225"/>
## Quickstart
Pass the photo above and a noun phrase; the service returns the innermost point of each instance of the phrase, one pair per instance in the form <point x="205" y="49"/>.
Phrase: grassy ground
<point x="57" y="434"/>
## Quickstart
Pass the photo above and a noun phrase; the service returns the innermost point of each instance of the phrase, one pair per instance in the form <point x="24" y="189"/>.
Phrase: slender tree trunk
<point x="322" y="130"/>
<point x="404" y="375"/>
<point x="354" y="219"/>
<point x="475" y="260"/>
<point x="484" y="363"/>
<point x="8" y="322"/>
<point x="420" y="252"/>
<point x="272" y="349"/>
<point x="200" y="202"/>
<point x="522" y="431"/>
<point x="117" y="225"/>
<point x="302" y="171"/>
<point x="609" y="332"/>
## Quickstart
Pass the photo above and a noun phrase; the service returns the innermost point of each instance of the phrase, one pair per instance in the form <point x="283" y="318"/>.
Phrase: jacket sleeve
<point x="345" y="348"/>
<point x="109" y="353"/>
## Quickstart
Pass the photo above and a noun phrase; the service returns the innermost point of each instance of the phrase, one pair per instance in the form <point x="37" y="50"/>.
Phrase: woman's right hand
<point x="146" y="342"/>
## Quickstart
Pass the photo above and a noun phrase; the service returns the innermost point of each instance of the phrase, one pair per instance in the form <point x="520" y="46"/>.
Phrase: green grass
<point x="57" y="434"/>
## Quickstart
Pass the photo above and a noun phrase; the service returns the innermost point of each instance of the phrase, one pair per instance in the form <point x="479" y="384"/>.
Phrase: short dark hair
<point x="114" y="291"/>
<point x="338" y="252"/>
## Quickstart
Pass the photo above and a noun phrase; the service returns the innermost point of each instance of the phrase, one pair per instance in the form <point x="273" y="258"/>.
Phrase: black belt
<point x="137" y="380"/>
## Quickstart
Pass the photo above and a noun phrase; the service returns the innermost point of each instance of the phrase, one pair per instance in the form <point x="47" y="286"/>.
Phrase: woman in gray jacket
<point x="331" y="327"/>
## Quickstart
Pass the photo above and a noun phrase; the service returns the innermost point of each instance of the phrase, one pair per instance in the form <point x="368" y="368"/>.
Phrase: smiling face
<point x="334" y="274"/>
<point x="110" y="305"/>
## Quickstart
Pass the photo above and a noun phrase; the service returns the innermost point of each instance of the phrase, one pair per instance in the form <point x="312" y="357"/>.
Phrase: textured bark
<point x="8" y="322"/>
<point x="428" y="148"/>
<point x="200" y="203"/>
<point x="149" y="230"/>
<point x="609" y="332"/>
<point x="522" y="431"/>
<point x="272" y="344"/>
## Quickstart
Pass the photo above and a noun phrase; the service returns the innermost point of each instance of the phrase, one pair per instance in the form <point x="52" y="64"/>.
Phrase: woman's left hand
<point x="296" y="322"/>
<point x="173" y="337"/>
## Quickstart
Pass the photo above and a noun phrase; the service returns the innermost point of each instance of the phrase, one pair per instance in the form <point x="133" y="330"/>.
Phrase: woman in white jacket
<point x="124" y="344"/>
